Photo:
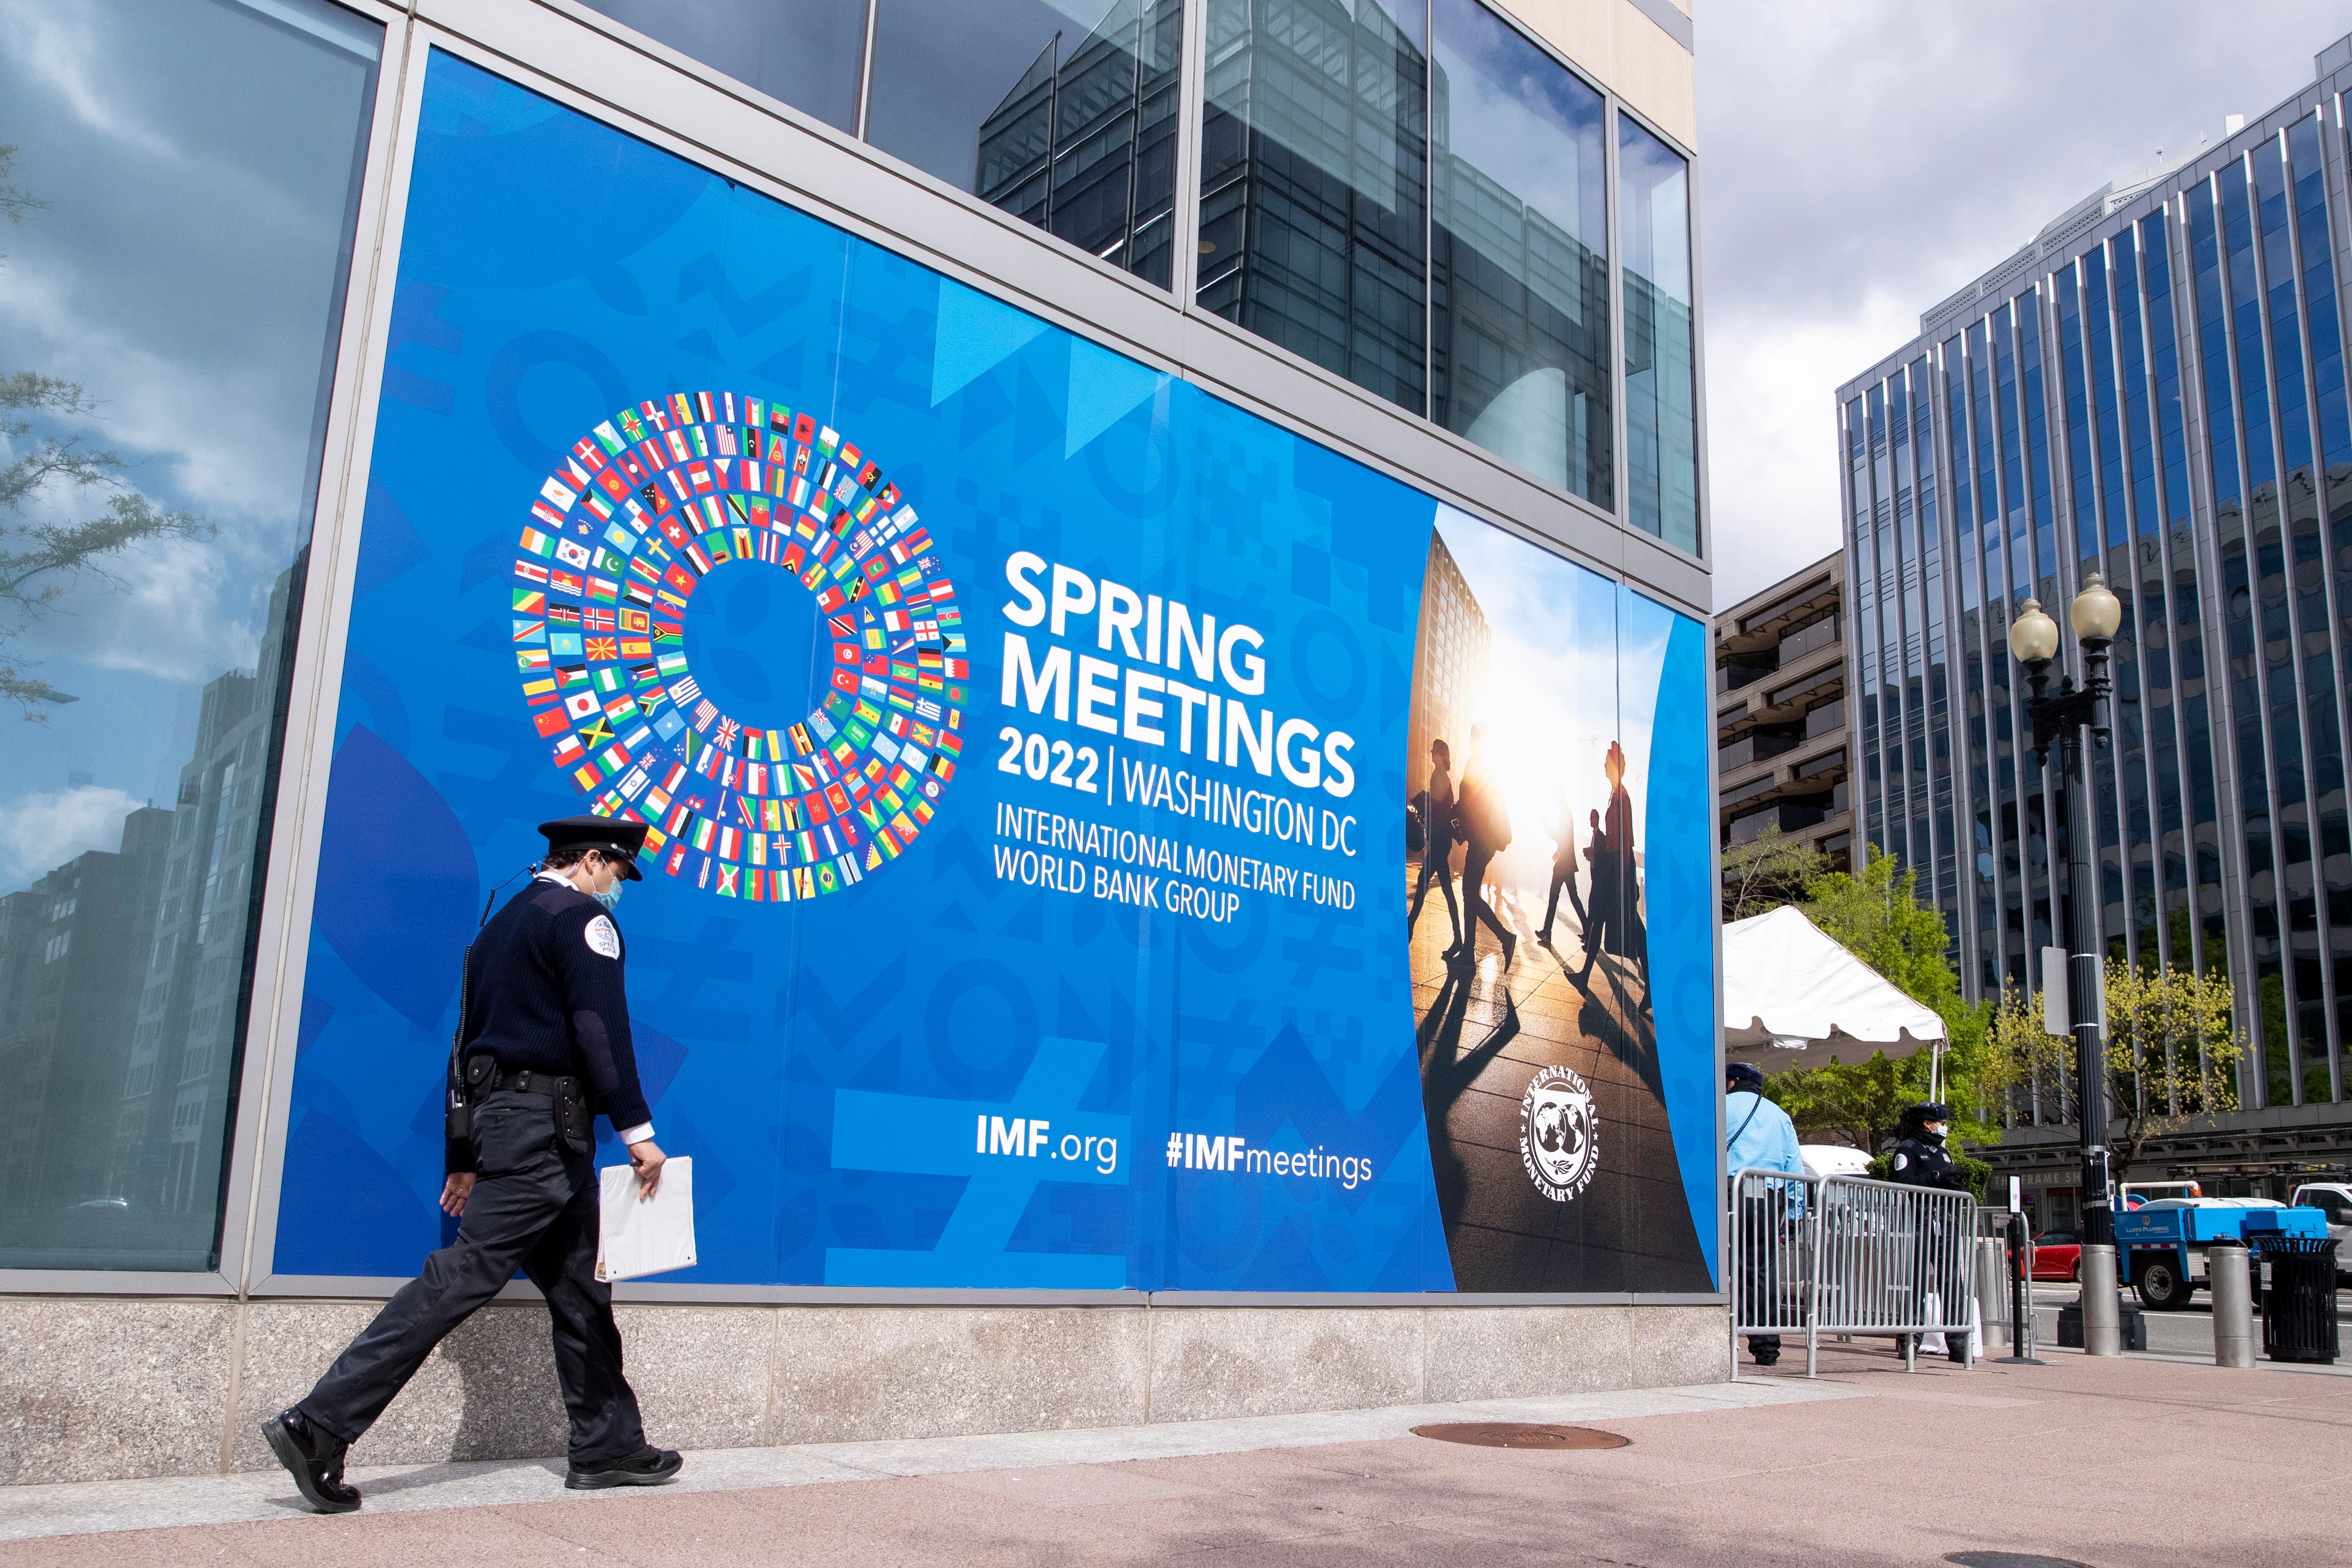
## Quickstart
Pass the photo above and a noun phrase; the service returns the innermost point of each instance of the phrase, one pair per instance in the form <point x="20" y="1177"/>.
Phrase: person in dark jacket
<point x="1920" y="1160"/>
<point x="1437" y="841"/>
<point x="1485" y="819"/>
<point x="544" y="1047"/>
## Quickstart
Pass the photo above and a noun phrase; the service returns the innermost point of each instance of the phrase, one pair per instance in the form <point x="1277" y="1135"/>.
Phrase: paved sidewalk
<point x="2134" y="1461"/>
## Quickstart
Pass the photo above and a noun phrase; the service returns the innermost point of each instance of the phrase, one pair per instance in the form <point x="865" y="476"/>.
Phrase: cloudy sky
<point x="1859" y="162"/>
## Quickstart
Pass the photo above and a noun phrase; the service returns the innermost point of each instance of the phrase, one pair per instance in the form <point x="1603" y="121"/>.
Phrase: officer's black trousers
<point x="534" y="1208"/>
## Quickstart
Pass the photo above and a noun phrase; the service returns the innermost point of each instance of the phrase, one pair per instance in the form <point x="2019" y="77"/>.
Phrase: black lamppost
<point x="2063" y="714"/>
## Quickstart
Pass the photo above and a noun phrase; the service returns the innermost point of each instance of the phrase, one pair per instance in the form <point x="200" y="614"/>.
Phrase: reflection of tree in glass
<point x="37" y="558"/>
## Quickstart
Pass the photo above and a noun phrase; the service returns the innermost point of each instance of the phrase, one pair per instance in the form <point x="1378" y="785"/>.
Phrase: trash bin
<point x="2299" y="1307"/>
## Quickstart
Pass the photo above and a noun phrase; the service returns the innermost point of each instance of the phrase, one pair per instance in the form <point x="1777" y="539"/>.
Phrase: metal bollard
<point x="2102" y="1317"/>
<point x="1992" y="1290"/>
<point x="2230" y="1280"/>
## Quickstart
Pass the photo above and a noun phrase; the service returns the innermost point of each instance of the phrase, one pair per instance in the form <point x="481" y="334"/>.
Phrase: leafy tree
<point x="38" y="559"/>
<point x="1877" y="916"/>
<point x="1769" y="870"/>
<point x="2172" y="1052"/>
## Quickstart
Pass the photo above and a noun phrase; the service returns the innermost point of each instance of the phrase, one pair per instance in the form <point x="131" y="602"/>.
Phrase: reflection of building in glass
<point x="1084" y="144"/>
<point x="1518" y="304"/>
<point x="1449" y="667"/>
<point x="1781" y="715"/>
<point x="71" y="948"/>
<point x="122" y="982"/>
<point x="1312" y="193"/>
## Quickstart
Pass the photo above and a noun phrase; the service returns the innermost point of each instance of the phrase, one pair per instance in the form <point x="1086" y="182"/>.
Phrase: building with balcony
<point x="2152" y="388"/>
<point x="1781" y="757"/>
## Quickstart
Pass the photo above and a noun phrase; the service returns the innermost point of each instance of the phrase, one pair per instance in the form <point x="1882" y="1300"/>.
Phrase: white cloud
<point x="41" y="832"/>
<point x="1859" y="162"/>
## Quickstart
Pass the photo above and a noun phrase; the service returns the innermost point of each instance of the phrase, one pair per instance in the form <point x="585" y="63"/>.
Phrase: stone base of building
<point x="104" y="1388"/>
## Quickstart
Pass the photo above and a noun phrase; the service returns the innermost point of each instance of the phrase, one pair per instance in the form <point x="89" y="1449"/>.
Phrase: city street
<point x="1866" y="1467"/>
<point x="2188" y="1331"/>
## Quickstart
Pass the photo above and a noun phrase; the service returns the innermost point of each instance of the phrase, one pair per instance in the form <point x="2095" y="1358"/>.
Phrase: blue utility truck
<point x="2165" y="1241"/>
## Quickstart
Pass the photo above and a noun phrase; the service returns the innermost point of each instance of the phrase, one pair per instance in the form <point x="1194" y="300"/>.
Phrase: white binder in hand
<point x="653" y="1235"/>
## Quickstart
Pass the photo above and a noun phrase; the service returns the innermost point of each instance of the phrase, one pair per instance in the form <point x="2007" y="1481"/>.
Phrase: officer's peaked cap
<point x="620" y="841"/>
<point x="1931" y="1111"/>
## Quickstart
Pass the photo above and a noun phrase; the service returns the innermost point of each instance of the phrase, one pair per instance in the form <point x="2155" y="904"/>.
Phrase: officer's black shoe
<point x="648" y="1467"/>
<point x="314" y="1458"/>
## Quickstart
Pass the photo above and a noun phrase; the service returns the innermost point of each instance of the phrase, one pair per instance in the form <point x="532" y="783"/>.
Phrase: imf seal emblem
<point x="1560" y="1134"/>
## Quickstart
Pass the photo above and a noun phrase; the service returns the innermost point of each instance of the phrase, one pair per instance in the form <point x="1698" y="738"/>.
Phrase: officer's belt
<point x="521" y="1080"/>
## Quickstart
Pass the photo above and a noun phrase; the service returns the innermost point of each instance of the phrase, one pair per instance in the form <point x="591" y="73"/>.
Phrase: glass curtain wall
<point x="1063" y="114"/>
<point x="166" y="410"/>
<point x="808" y="53"/>
<point x="1661" y="364"/>
<point x="1519" y="279"/>
<point x="2228" y="735"/>
<point x="1407" y="193"/>
<point x="1314" y="184"/>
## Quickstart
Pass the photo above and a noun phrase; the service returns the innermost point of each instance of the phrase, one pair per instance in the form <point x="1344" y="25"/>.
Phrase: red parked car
<point x="2057" y="1255"/>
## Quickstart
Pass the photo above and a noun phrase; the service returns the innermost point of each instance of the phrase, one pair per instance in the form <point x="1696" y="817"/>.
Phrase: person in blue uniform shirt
<point x="544" y="1047"/>
<point x="1763" y="1138"/>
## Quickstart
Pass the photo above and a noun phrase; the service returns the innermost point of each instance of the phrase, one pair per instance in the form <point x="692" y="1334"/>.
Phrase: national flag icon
<point x="530" y="602"/>
<point x="580" y="705"/>
<point x="603" y="648"/>
<point x="560" y="494"/>
<point x="551" y="722"/>
<point x="532" y="572"/>
<point x="569" y="751"/>
<point x="529" y="659"/>
<point x="564" y="583"/>
<point x="537" y="543"/>
<point x="570" y="554"/>
<point x="563" y="645"/>
<point x="530" y="631"/>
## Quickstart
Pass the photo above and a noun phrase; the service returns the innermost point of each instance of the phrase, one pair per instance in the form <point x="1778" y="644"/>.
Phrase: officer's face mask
<point x="1935" y="1130"/>
<point x="610" y="896"/>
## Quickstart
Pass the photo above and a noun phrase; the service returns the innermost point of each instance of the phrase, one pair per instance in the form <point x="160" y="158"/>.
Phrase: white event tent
<point x="1792" y="997"/>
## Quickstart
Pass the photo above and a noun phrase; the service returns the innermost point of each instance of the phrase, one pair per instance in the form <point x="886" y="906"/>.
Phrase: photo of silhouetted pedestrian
<point x="1437" y="841"/>
<point x="1486" y="824"/>
<point x="1615" y="926"/>
<point x="1563" y="872"/>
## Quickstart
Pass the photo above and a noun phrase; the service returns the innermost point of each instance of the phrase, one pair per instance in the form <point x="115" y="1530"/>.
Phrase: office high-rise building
<point x="2153" y="388"/>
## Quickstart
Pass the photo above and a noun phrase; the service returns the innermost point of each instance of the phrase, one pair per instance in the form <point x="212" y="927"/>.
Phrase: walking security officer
<point x="545" y="1046"/>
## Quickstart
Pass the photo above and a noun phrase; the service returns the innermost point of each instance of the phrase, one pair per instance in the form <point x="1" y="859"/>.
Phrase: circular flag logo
<point x="1560" y="1134"/>
<point x="648" y="505"/>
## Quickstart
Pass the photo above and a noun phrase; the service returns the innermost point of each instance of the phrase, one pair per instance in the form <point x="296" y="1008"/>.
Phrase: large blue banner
<point x="1037" y="759"/>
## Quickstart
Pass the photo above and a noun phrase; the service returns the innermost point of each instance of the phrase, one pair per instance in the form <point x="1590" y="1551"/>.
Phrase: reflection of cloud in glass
<point x="196" y="160"/>
<point x="39" y="831"/>
<point x="1550" y="700"/>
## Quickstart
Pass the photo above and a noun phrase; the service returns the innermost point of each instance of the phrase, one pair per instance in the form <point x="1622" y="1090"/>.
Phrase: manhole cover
<point x="2009" y="1560"/>
<point x="1520" y="1435"/>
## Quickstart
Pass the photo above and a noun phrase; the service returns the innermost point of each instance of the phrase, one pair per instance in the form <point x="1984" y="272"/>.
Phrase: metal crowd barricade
<point x="1844" y="1255"/>
<point x="1774" y="1234"/>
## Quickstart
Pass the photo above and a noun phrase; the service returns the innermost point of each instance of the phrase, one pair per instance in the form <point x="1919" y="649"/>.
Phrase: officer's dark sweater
<point x="1924" y="1162"/>
<point x="539" y="994"/>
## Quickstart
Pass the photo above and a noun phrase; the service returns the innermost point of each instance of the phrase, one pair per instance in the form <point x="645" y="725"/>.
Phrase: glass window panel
<point x="1063" y="115"/>
<point x="192" y="377"/>
<point x="805" y="52"/>
<point x="1661" y="422"/>
<point x="1519" y="317"/>
<point x="1314" y="201"/>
